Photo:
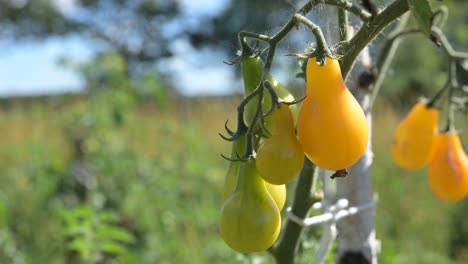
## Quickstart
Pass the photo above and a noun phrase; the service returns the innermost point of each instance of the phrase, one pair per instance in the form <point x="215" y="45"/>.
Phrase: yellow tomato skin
<point x="415" y="136"/>
<point x="283" y="94"/>
<point x="331" y="126"/>
<point x="280" y="157"/>
<point x="277" y="192"/>
<point x="250" y="220"/>
<point x="448" y="168"/>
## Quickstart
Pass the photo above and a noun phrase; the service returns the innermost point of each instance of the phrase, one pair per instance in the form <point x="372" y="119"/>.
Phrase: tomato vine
<point x="346" y="50"/>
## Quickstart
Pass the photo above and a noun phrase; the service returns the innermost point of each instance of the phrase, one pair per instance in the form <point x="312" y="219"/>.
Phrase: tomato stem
<point x="440" y="16"/>
<point x="431" y="103"/>
<point x="446" y="44"/>
<point x="241" y="126"/>
<point x="274" y="97"/>
<point x="347" y="5"/>
<point x="284" y="250"/>
<point x="343" y="23"/>
<point x="322" y="51"/>
<point x="368" y="32"/>
<point x="386" y="56"/>
<point x="450" y="106"/>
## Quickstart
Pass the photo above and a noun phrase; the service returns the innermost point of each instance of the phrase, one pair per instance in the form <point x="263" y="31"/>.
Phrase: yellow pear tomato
<point x="331" y="125"/>
<point x="280" y="157"/>
<point x="277" y="192"/>
<point x="415" y="136"/>
<point x="250" y="220"/>
<point x="448" y="168"/>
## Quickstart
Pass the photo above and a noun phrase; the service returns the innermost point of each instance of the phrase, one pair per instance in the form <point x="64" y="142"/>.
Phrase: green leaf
<point x="108" y="217"/>
<point x="76" y="230"/>
<point x="423" y="14"/>
<point x="113" y="248"/>
<point x="80" y="246"/>
<point x="115" y="233"/>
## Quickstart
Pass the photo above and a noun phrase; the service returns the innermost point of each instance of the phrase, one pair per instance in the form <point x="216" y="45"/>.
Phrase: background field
<point x="155" y="174"/>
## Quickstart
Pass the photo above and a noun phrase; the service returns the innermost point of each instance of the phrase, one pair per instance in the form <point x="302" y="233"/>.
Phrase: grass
<point x="159" y="170"/>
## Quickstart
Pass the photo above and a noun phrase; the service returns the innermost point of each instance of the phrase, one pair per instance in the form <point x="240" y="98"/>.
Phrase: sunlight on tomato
<point x="448" y="169"/>
<point x="278" y="193"/>
<point x="331" y="126"/>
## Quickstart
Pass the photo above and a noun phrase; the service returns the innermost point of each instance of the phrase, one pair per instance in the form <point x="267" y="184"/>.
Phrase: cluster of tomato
<point x="417" y="143"/>
<point x="332" y="131"/>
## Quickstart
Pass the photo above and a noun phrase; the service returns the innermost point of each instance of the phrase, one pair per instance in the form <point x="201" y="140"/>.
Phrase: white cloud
<point x="203" y="7"/>
<point x="65" y="6"/>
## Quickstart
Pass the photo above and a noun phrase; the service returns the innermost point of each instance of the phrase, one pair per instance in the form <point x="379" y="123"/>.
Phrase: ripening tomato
<point x="448" y="168"/>
<point x="285" y="95"/>
<point x="331" y="125"/>
<point x="415" y="136"/>
<point x="252" y="73"/>
<point x="277" y="192"/>
<point x="280" y="157"/>
<point x="250" y="220"/>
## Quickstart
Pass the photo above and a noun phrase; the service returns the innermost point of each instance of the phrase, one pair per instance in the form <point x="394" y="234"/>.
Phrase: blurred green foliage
<point x="419" y="67"/>
<point x="151" y="172"/>
<point x="78" y="186"/>
<point x="92" y="233"/>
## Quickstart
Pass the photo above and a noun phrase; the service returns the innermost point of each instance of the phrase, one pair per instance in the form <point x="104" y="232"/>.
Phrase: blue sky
<point x="31" y="68"/>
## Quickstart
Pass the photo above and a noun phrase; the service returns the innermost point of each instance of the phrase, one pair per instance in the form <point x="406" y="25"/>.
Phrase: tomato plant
<point x="333" y="132"/>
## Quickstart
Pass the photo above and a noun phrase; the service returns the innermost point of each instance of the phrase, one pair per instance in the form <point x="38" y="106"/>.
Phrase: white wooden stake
<point x="357" y="233"/>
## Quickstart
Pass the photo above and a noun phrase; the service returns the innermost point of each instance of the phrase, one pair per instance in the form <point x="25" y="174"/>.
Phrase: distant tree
<point x="140" y="31"/>
<point x="143" y="32"/>
<point x="132" y="28"/>
<point x="254" y="15"/>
